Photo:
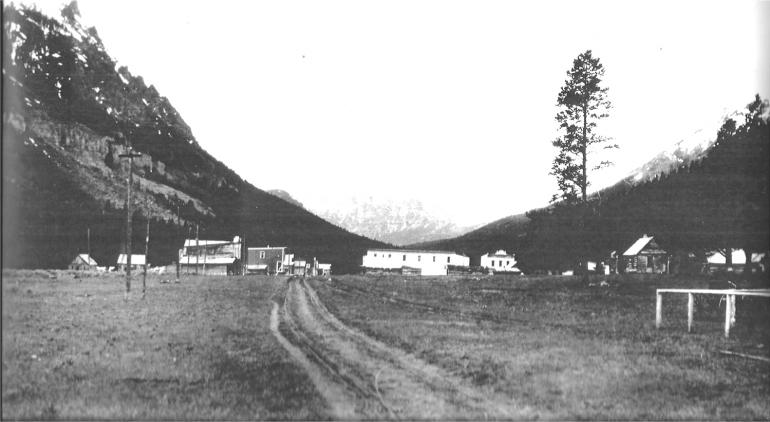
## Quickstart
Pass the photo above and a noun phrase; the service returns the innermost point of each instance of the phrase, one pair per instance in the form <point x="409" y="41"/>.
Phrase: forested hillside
<point x="69" y="111"/>
<point x="692" y="203"/>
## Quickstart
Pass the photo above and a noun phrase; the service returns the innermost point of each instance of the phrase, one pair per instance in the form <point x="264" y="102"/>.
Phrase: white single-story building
<point x="324" y="269"/>
<point x="136" y="261"/>
<point x="427" y="262"/>
<point x="718" y="261"/>
<point x="499" y="262"/>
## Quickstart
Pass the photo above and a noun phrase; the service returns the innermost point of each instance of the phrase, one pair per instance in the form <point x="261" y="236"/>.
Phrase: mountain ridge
<point x="70" y="114"/>
<point x="704" y="193"/>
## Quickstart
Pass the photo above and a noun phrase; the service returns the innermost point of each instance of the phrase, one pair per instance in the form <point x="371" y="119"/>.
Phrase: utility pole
<point x="244" y="255"/>
<point x="146" y="248"/>
<point x="88" y="242"/>
<point x="197" y="248"/>
<point x="187" y="252"/>
<point x="205" y="254"/>
<point x="178" y="263"/>
<point x="246" y="249"/>
<point x="130" y="155"/>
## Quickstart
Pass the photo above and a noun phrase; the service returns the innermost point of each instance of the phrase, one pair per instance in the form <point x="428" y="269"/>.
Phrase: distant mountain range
<point x="69" y="112"/>
<point x="395" y="222"/>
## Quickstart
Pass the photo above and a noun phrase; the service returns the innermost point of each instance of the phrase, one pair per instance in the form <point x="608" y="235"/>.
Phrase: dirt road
<point x="364" y="378"/>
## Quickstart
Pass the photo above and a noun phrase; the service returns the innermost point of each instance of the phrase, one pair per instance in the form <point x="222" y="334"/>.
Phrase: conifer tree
<point x="582" y="102"/>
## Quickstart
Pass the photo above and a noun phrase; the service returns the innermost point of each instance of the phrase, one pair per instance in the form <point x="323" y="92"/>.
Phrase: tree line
<point x="718" y="202"/>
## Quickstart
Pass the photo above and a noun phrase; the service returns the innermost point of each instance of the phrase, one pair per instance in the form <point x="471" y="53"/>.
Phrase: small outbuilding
<point x="324" y="269"/>
<point x="320" y="269"/>
<point x="83" y="262"/>
<point x="645" y="256"/>
<point x="299" y="267"/>
<point x="137" y="261"/>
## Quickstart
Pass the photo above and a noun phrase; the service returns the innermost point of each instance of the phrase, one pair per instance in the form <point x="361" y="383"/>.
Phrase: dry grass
<point x="568" y="350"/>
<point x="72" y="348"/>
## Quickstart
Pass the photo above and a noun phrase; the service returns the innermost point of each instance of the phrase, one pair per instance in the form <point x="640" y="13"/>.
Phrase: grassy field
<point x="203" y="349"/>
<point x="569" y="350"/>
<point x="72" y="348"/>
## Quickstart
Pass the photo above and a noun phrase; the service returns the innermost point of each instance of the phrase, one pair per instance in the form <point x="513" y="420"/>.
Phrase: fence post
<point x="733" y="308"/>
<point x="658" y="309"/>
<point x="690" y="310"/>
<point x="728" y="315"/>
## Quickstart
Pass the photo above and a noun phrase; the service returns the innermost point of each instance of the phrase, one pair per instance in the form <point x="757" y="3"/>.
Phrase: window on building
<point x="375" y="255"/>
<point x="434" y="258"/>
<point x="404" y="258"/>
<point x="507" y="262"/>
<point x="493" y="262"/>
<point x="448" y="259"/>
<point x="388" y="255"/>
<point x="419" y="258"/>
<point x="262" y="254"/>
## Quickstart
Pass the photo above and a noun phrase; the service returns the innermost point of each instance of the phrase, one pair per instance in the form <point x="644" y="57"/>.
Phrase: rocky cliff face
<point x="70" y="112"/>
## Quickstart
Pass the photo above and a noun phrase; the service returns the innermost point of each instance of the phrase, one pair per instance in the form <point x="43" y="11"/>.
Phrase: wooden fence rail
<point x="729" y="294"/>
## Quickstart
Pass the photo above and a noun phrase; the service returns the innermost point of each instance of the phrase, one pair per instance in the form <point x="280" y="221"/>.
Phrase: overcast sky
<point x="450" y="102"/>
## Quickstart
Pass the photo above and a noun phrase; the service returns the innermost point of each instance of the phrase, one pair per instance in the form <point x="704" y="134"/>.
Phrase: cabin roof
<point x="84" y="257"/>
<point x="640" y="244"/>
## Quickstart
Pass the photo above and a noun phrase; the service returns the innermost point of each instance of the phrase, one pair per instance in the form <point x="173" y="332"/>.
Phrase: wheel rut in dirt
<point x="372" y="379"/>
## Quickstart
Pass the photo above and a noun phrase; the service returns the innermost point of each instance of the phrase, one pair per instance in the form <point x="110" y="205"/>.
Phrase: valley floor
<point x="201" y="349"/>
<point x="551" y="347"/>
<point x="373" y="347"/>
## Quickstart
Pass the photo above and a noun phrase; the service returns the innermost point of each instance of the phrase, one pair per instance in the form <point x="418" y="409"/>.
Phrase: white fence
<point x="729" y="294"/>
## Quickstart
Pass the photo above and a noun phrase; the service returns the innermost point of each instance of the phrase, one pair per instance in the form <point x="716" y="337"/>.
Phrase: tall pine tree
<point x="582" y="102"/>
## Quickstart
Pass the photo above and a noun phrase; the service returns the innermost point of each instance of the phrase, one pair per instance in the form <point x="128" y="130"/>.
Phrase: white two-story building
<point x="413" y="261"/>
<point x="499" y="262"/>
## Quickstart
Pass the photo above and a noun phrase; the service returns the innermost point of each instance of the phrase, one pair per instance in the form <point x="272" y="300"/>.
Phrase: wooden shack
<point x="645" y="256"/>
<point x="83" y="262"/>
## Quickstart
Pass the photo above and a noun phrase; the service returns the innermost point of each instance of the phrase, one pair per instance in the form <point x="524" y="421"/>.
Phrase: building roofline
<point x="205" y="242"/>
<point x="414" y="250"/>
<point x="638" y="245"/>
